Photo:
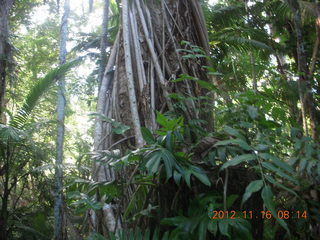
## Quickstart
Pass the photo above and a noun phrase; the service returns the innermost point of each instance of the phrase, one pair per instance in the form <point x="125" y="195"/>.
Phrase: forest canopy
<point x="159" y="119"/>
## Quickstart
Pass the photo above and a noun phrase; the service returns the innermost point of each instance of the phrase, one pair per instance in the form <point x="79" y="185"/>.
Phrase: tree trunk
<point x="145" y="60"/>
<point x="5" y="8"/>
<point x="5" y="200"/>
<point x="153" y="42"/>
<point x="104" y="40"/>
<point x="305" y="89"/>
<point x="58" y="206"/>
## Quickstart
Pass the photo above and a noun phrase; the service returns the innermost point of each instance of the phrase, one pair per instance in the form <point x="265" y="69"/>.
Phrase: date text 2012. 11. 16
<point x="281" y="214"/>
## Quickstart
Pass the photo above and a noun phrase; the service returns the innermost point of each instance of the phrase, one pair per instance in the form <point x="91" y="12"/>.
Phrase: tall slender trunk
<point x="305" y="88"/>
<point x="104" y="40"/>
<point x="58" y="207"/>
<point x="252" y="58"/>
<point x="5" y="7"/>
<point x="315" y="52"/>
<point x="104" y="219"/>
<point x="5" y="199"/>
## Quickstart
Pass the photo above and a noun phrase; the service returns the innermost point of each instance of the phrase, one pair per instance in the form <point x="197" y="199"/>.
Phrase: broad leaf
<point x="238" y="159"/>
<point x="267" y="197"/>
<point x="147" y="135"/>
<point x="242" y="144"/>
<point x="198" y="173"/>
<point x="233" y="132"/>
<point x="254" y="186"/>
<point x="279" y="172"/>
<point x="153" y="162"/>
<point x="273" y="181"/>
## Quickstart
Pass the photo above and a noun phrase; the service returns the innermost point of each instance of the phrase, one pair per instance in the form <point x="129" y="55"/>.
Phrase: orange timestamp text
<point x="280" y="214"/>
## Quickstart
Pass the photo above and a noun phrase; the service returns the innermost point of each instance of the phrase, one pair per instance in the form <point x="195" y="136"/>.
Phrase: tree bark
<point x="5" y="8"/>
<point x="58" y="206"/>
<point x="104" y="40"/>
<point x="305" y="88"/>
<point x="315" y="52"/>
<point x="103" y="220"/>
<point x="145" y="60"/>
<point x="5" y="199"/>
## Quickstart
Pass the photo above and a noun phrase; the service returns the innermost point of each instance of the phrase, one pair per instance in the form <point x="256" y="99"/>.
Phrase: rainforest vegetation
<point x="159" y="119"/>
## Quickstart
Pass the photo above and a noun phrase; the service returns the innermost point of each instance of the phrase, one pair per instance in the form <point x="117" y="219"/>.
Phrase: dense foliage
<point x="254" y="175"/>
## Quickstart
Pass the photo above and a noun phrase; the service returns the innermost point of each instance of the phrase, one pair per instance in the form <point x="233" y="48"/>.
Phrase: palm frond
<point x="279" y="9"/>
<point x="87" y="41"/>
<point x="282" y="12"/>
<point x="37" y="92"/>
<point x="240" y="39"/>
<point x="9" y="134"/>
<point x="225" y="16"/>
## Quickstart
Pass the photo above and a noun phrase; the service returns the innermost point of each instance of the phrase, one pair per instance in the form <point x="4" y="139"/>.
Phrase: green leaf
<point x="254" y="186"/>
<point x="273" y="181"/>
<point x="303" y="164"/>
<point x="198" y="173"/>
<point x="222" y="153"/>
<point x="162" y="120"/>
<point x="10" y="134"/>
<point x="238" y="159"/>
<point x="117" y="127"/>
<point x="202" y="229"/>
<point x="38" y="90"/>
<point x="231" y="200"/>
<point x="174" y="221"/>
<point x="242" y="227"/>
<point x="177" y="177"/>
<point x="278" y="171"/>
<point x="154" y="159"/>
<point x="213" y="226"/>
<point x="187" y="175"/>
<point x="96" y="236"/>
<point x="233" y="132"/>
<point x="283" y="165"/>
<point x="169" y="141"/>
<point x="267" y="197"/>
<point x="169" y="162"/>
<point x="224" y="227"/>
<point x="147" y="135"/>
<point x="153" y="162"/>
<point x="206" y="85"/>
<point x="183" y="77"/>
<point x="243" y="144"/>
<point x="261" y="147"/>
<point x="253" y="112"/>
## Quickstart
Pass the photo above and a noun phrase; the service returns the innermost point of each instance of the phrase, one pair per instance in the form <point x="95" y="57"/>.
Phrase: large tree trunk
<point x="6" y="5"/>
<point x="136" y="81"/>
<point x="151" y="44"/>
